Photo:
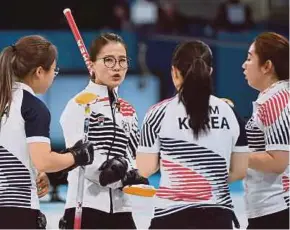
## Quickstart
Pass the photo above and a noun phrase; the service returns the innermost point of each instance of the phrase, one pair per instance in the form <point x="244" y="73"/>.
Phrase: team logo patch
<point x="251" y="124"/>
<point x="100" y="121"/>
<point x="126" y="126"/>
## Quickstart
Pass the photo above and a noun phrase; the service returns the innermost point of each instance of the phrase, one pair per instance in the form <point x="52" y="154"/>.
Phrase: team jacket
<point x="28" y="122"/>
<point x="119" y="134"/>
<point x="194" y="172"/>
<point x="268" y="129"/>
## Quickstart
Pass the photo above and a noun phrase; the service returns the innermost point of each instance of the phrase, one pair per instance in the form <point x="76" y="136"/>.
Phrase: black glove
<point x="83" y="154"/>
<point x="113" y="170"/>
<point x="133" y="177"/>
<point x="62" y="224"/>
<point x="65" y="171"/>
<point x="41" y="221"/>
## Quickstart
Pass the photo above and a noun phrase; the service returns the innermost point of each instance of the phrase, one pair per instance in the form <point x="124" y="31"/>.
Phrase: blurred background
<point x="151" y="29"/>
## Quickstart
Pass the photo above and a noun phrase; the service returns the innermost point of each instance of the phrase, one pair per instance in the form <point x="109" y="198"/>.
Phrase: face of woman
<point x="254" y="72"/>
<point x="44" y="79"/>
<point x="111" y="65"/>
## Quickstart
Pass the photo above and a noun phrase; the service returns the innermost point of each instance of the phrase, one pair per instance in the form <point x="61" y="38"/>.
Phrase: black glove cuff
<point x="133" y="177"/>
<point x="113" y="170"/>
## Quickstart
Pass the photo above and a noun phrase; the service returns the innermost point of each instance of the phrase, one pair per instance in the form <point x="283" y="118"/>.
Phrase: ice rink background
<point x="54" y="211"/>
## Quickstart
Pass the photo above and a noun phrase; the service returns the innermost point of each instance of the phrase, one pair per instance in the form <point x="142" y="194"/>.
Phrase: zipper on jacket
<point x="111" y="101"/>
<point x="111" y="202"/>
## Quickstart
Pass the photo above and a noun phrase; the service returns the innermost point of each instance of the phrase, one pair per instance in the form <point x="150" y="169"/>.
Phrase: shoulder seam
<point x="160" y="104"/>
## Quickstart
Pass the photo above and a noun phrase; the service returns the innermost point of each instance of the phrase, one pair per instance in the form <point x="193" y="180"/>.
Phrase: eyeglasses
<point x="56" y="71"/>
<point x="110" y="62"/>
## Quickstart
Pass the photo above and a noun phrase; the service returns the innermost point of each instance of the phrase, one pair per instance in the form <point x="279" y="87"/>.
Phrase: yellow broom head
<point x="140" y="190"/>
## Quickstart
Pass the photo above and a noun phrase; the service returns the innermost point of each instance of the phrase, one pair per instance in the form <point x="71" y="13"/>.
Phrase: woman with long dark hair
<point x="197" y="142"/>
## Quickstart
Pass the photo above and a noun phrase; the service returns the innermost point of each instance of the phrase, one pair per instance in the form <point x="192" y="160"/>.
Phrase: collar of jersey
<point x="100" y="90"/>
<point x="269" y="92"/>
<point x="20" y="85"/>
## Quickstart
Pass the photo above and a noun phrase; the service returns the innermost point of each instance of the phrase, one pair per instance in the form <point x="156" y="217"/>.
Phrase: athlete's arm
<point x="47" y="161"/>
<point x="240" y="152"/>
<point x="147" y="163"/>
<point x="273" y="161"/>
<point x="275" y="158"/>
<point x="238" y="166"/>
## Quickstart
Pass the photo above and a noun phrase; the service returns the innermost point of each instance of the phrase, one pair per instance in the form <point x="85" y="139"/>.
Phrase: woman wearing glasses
<point x="28" y="68"/>
<point x="113" y="129"/>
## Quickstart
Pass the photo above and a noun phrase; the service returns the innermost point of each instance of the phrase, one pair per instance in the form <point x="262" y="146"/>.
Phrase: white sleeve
<point x="149" y="140"/>
<point x="133" y="142"/>
<point x="72" y="123"/>
<point x="273" y="119"/>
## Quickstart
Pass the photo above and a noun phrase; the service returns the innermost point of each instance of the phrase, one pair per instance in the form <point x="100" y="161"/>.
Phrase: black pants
<point x="195" y="218"/>
<point x="95" y="219"/>
<point x="18" y="218"/>
<point x="278" y="220"/>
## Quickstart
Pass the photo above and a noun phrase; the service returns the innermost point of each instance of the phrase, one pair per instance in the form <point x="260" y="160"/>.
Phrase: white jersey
<point x="28" y="122"/>
<point x="120" y="139"/>
<point x="268" y="129"/>
<point x="194" y="172"/>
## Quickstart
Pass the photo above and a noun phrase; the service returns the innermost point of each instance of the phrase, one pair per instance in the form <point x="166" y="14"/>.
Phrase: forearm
<point x="234" y="177"/>
<point x="147" y="172"/>
<point x="54" y="162"/>
<point x="147" y="163"/>
<point x="238" y="166"/>
<point x="264" y="162"/>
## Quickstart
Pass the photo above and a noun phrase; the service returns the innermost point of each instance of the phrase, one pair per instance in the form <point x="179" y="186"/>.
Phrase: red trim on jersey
<point x="125" y="108"/>
<point x="160" y="103"/>
<point x="103" y="99"/>
<point x="186" y="184"/>
<point x="285" y="182"/>
<point x="270" y="111"/>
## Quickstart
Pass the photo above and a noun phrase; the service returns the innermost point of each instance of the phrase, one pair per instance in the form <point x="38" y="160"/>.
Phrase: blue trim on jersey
<point x="242" y="139"/>
<point x="36" y="116"/>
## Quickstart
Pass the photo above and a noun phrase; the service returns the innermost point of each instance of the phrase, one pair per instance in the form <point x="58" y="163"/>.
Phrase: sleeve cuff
<point x="142" y="149"/>
<point x="277" y="147"/>
<point x="241" y="149"/>
<point x="37" y="139"/>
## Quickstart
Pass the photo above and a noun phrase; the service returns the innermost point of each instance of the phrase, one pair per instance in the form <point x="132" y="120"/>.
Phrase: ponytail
<point x="195" y="94"/>
<point x="6" y="80"/>
<point x="19" y="60"/>
<point x="194" y="61"/>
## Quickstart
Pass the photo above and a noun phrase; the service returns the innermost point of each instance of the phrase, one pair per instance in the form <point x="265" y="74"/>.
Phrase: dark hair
<point x="274" y="47"/>
<point x="103" y="40"/>
<point x="194" y="61"/>
<point x="21" y="59"/>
